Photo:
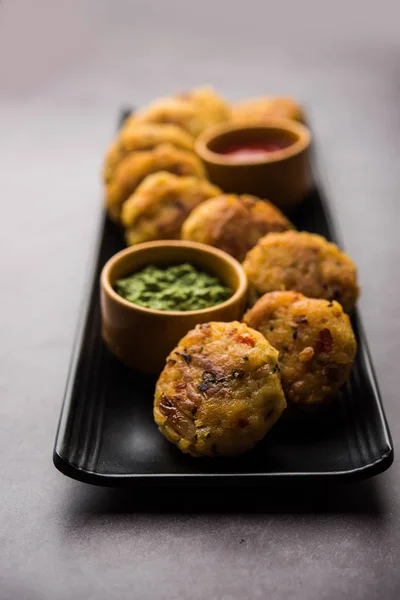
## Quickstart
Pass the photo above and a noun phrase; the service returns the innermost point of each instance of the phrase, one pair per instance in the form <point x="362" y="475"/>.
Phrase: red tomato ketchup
<point x="254" y="150"/>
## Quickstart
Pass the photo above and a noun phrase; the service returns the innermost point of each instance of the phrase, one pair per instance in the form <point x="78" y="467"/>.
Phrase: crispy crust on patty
<point x="160" y="205"/>
<point x="143" y="136"/>
<point x="193" y="111"/>
<point x="220" y="391"/>
<point x="315" y="341"/>
<point x="234" y="223"/>
<point x="304" y="262"/>
<point x="137" y="165"/>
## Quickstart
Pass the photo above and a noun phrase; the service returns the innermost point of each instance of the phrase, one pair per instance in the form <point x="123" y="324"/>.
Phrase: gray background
<point x="65" y="68"/>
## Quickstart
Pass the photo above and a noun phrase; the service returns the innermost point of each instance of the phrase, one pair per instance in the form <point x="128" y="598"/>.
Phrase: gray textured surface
<point x="65" y="67"/>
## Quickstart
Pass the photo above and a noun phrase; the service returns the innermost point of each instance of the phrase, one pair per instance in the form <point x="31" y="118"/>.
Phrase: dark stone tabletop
<point x="65" y="69"/>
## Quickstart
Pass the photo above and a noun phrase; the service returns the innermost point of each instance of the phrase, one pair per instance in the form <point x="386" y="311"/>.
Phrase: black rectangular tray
<point x="107" y="436"/>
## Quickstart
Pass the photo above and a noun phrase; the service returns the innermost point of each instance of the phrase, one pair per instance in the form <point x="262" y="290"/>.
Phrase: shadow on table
<point x="363" y="498"/>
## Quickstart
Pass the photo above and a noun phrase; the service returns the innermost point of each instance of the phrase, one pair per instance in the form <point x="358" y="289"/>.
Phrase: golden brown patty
<point x="304" y="262"/>
<point x="137" y="165"/>
<point x="114" y="156"/>
<point x="160" y="205"/>
<point x="210" y="108"/>
<point x="194" y="111"/>
<point x="143" y="136"/>
<point x="219" y="392"/>
<point x="233" y="223"/>
<point x="315" y="340"/>
<point x="257" y="110"/>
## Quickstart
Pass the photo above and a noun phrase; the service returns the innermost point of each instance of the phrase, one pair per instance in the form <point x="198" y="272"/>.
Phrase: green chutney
<point x="179" y="287"/>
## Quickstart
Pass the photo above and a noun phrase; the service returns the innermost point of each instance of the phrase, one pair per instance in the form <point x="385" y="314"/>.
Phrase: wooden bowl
<point x="283" y="176"/>
<point x="141" y="337"/>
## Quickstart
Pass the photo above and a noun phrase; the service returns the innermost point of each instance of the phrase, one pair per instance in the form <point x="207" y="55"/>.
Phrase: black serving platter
<point x="106" y="434"/>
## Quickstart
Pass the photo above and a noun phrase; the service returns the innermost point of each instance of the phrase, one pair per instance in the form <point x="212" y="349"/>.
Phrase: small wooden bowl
<point x="141" y="337"/>
<point x="283" y="176"/>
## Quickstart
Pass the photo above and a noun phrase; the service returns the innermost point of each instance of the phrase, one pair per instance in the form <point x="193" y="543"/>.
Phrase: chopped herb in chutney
<point x="179" y="287"/>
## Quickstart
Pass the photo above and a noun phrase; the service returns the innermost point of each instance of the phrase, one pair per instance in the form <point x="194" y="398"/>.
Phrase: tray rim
<point x="256" y="479"/>
<point x="113" y="479"/>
